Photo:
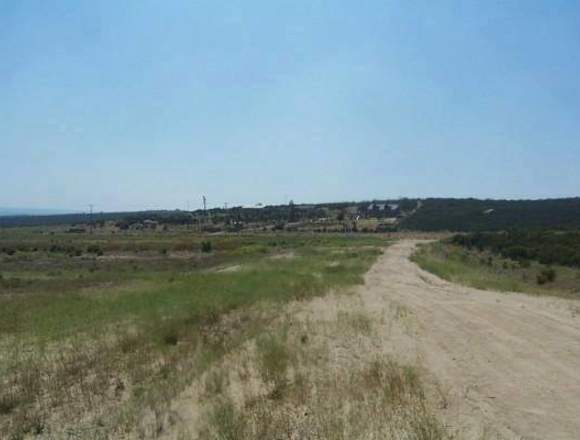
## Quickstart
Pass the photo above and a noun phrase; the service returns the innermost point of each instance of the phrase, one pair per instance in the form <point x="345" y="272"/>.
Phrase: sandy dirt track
<point x="507" y="362"/>
<point x="497" y="365"/>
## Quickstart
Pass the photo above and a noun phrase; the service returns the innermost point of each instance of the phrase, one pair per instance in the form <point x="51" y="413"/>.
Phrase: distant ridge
<point x="433" y="214"/>
<point x="467" y="215"/>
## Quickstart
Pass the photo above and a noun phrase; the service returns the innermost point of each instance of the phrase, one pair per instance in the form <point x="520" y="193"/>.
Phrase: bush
<point x="546" y="247"/>
<point x="546" y="276"/>
<point x="94" y="249"/>
<point x="550" y="274"/>
<point x="524" y="264"/>
<point x="206" y="247"/>
<point x="55" y="248"/>
<point x="171" y="338"/>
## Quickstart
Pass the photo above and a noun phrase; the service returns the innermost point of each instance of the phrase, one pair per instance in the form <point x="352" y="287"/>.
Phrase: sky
<point x="142" y="104"/>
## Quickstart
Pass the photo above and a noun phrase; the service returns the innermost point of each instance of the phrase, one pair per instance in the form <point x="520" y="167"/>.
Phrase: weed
<point x="215" y="383"/>
<point x="206" y="247"/>
<point x="547" y="275"/>
<point x="8" y="402"/>
<point x="358" y="321"/>
<point x="171" y="337"/>
<point x="274" y="361"/>
<point x="228" y="425"/>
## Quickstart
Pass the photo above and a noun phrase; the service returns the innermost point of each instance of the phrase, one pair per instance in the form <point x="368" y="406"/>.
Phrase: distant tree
<point x="291" y="212"/>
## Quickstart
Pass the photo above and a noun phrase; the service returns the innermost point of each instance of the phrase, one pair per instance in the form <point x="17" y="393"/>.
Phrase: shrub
<point x="95" y="249"/>
<point x="56" y="248"/>
<point x="546" y="276"/>
<point x="171" y="338"/>
<point x="274" y="362"/>
<point x="550" y="274"/>
<point x="206" y="246"/>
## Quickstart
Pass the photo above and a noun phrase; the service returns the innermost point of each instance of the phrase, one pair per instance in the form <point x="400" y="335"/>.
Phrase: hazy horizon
<point x="16" y="211"/>
<point x="146" y="105"/>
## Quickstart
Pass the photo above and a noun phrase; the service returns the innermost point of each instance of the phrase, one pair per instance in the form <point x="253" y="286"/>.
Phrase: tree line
<point x="558" y="248"/>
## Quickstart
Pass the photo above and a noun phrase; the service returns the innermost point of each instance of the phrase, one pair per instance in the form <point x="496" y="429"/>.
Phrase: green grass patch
<point x="487" y="271"/>
<point x="102" y="340"/>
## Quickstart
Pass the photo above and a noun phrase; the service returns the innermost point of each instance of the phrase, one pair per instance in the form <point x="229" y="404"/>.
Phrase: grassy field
<point x="305" y="392"/>
<point x="485" y="270"/>
<point x="95" y="330"/>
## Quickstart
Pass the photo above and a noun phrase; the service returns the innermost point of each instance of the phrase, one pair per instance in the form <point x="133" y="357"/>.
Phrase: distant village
<point x="372" y="216"/>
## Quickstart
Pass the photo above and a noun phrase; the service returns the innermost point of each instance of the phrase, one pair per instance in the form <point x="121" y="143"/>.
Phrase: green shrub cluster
<point x="558" y="248"/>
<point x="547" y="275"/>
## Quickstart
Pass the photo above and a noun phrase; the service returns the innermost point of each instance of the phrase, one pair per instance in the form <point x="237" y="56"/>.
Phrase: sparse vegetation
<point x="371" y="397"/>
<point x="206" y="246"/>
<point x="486" y="270"/>
<point x="91" y="344"/>
<point x="561" y="248"/>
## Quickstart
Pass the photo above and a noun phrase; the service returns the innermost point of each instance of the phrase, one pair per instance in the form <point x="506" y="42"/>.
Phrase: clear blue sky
<point x="146" y="104"/>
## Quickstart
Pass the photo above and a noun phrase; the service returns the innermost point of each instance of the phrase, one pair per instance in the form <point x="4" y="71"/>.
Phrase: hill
<point x="434" y="214"/>
<point x="464" y="215"/>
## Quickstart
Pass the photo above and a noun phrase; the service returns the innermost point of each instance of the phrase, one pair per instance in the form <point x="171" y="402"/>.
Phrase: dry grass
<point x="94" y="365"/>
<point x="318" y="380"/>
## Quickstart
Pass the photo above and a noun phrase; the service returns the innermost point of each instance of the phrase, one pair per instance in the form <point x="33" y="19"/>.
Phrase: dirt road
<point x="496" y="365"/>
<point x="506" y="362"/>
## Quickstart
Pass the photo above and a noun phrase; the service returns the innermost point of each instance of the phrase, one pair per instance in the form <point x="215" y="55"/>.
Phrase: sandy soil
<point x="506" y="362"/>
<point x="498" y="365"/>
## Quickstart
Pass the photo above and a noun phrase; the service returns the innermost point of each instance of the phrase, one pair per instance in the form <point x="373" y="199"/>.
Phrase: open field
<point x="406" y="355"/>
<point x="333" y="367"/>
<point x="185" y="336"/>
<point x="95" y="330"/>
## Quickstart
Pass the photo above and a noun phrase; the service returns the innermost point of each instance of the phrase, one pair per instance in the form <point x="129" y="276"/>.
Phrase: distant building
<point x="150" y="224"/>
<point x="136" y="226"/>
<point x="376" y="206"/>
<point x="256" y="206"/>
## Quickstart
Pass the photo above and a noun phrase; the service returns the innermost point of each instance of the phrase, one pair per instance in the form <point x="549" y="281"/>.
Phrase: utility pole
<point x="91" y="222"/>
<point x="204" y="200"/>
